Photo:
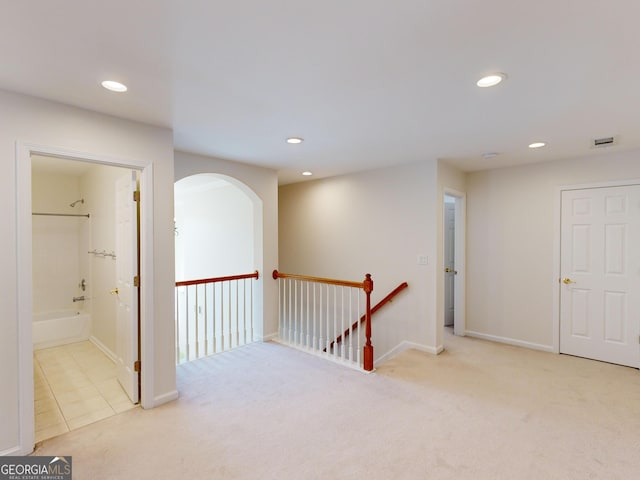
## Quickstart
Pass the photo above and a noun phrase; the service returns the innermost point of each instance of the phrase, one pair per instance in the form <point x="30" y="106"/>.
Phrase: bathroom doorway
<point x="454" y="261"/>
<point x="78" y="340"/>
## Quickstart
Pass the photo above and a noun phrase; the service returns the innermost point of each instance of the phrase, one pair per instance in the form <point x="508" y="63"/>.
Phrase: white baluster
<point x="342" y="349"/>
<point x="313" y="337"/>
<point x="229" y="316"/>
<point x="177" y="326"/>
<point x="328" y="324"/>
<point x="237" y="316"/>
<point x="222" y="306"/>
<point x="351" y="322"/>
<point x="244" y="311"/>
<point x="215" y="319"/>
<point x="335" y="319"/>
<point x="308" y="344"/>
<point x="359" y="349"/>
<point x="320" y="329"/>
<point x="197" y="323"/>
<point x="251" y="310"/>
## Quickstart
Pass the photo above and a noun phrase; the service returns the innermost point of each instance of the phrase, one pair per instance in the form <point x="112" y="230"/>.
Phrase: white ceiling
<point x="367" y="83"/>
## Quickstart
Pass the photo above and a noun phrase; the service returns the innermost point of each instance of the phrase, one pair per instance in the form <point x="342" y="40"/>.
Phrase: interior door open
<point x="449" y="263"/>
<point x="127" y="318"/>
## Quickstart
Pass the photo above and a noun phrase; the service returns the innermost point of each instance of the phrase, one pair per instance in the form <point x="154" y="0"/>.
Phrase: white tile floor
<point x="75" y="385"/>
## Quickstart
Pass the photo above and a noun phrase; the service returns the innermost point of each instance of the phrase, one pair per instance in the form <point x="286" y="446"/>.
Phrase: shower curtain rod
<point x="62" y="214"/>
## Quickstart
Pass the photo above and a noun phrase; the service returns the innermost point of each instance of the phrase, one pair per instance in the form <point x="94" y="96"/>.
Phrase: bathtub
<point x="60" y="327"/>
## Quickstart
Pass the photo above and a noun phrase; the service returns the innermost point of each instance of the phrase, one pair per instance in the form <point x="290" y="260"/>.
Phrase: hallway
<point x="479" y="410"/>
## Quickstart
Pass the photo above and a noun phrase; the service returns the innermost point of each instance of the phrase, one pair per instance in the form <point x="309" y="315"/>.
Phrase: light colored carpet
<point x="478" y="411"/>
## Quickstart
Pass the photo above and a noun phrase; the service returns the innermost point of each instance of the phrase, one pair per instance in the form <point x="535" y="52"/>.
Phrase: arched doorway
<point x="218" y="225"/>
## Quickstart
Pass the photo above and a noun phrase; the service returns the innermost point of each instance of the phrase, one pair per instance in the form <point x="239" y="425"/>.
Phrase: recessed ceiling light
<point x="295" y="140"/>
<point x="537" y="145"/>
<point x="114" y="86"/>
<point x="307" y="174"/>
<point x="491" y="80"/>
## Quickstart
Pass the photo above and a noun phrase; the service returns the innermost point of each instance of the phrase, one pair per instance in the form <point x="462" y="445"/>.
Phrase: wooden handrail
<point x="185" y="283"/>
<point x="377" y="307"/>
<point x="331" y="281"/>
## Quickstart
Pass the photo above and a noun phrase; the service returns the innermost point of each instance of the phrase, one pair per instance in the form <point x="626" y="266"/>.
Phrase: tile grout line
<point x="90" y="357"/>
<point x="59" y="408"/>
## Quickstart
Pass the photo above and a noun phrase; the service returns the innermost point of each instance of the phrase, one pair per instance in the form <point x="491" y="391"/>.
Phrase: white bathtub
<point x="60" y="327"/>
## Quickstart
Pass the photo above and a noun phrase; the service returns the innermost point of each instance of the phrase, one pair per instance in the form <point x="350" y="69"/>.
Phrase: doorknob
<point x="114" y="291"/>
<point x="450" y="270"/>
<point x="567" y="281"/>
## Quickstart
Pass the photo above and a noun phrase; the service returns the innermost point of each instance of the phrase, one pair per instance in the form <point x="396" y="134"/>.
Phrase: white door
<point x="127" y="293"/>
<point x="449" y="262"/>
<point x="600" y="268"/>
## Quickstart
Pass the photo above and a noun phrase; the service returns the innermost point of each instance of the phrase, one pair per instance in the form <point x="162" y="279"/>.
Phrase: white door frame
<point x="557" y="218"/>
<point x="460" y="298"/>
<point x="24" y="275"/>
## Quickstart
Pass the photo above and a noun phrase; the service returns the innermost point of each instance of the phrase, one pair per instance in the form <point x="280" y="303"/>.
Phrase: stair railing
<point x="389" y="298"/>
<point x="313" y="311"/>
<point x="213" y="315"/>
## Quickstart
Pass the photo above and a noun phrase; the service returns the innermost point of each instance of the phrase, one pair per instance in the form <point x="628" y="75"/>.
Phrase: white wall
<point x="56" y="242"/>
<point x="263" y="184"/>
<point x="374" y="222"/>
<point x="510" y="243"/>
<point x="214" y="230"/>
<point x="36" y="121"/>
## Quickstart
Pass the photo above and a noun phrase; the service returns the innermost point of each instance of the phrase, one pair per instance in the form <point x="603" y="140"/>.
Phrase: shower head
<point x="77" y="201"/>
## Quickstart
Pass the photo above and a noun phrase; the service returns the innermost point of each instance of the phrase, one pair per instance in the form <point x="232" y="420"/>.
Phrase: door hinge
<point x="136" y="196"/>
<point x="136" y="281"/>
<point x="136" y="366"/>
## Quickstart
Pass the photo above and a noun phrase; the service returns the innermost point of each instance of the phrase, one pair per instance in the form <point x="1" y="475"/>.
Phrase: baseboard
<point x="165" y="398"/>
<point x="103" y="348"/>
<point x="11" y="452"/>
<point x="405" y="345"/>
<point x="270" y="337"/>
<point x="510" y="341"/>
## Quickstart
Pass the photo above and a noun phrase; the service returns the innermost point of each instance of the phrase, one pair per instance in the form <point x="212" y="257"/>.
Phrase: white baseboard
<point x="103" y="348"/>
<point x="270" y="337"/>
<point x="405" y="345"/>
<point x="510" y="341"/>
<point x="13" y="451"/>
<point x="165" y="398"/>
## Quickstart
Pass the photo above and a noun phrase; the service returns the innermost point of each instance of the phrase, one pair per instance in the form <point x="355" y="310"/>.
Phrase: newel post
<point x="368" y="348"/>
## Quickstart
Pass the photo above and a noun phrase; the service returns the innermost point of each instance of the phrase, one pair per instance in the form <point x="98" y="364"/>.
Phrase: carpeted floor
<point x="477" y="411"/>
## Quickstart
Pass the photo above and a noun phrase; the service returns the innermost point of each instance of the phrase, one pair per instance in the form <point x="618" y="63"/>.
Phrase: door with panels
<point x="449" y="263"/>
<point x="127" y="322"/>
<point x="600" y="268"/>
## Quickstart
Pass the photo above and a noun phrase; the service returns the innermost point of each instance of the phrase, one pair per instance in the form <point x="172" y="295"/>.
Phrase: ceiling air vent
<point x="603" y="142"/>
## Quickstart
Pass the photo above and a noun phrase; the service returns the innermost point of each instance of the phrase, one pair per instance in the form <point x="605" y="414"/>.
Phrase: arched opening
<point x="218" y="225"/>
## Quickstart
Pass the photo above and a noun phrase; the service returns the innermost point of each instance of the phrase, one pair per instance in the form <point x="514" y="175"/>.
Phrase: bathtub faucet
<point x="78" y="299"/>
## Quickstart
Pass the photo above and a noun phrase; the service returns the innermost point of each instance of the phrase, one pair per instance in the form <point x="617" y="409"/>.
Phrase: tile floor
<point x="75" y="385"/>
